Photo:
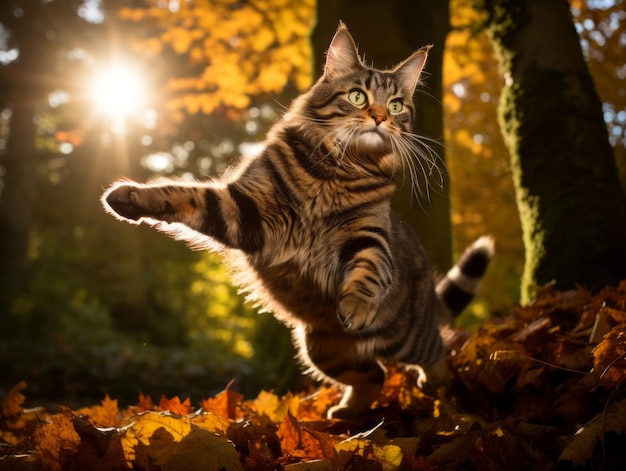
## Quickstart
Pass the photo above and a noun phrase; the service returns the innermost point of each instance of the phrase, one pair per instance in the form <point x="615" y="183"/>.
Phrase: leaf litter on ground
<point x="541" y="387"/>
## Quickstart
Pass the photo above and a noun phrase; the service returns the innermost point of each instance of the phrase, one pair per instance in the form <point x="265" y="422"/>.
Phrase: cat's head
<point x="364" y="110"/>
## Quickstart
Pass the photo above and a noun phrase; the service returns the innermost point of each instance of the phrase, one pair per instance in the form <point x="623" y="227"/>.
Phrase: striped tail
<point x="457" y="288"/>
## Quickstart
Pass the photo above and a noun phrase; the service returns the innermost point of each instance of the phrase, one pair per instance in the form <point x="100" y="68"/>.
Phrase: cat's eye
<point x="395" y="106"/>
<point x="357" y="97"/>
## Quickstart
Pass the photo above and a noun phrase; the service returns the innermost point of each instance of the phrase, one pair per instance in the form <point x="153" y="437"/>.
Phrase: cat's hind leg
<point x="340" y="357"/>
<point x="363" y="386"/>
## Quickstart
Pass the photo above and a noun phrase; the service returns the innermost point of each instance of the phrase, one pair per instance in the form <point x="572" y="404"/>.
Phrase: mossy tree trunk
<point x="571" y="205"/>
<point x="387" y="33"/>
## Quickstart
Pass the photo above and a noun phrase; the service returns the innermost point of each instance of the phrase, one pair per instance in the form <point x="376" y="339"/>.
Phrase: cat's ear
<point x="410" y="70"/>
<point x="342" y="56"/>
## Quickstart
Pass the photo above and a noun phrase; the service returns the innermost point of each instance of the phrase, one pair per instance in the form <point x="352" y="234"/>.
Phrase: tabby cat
<point x="308" y="228"/>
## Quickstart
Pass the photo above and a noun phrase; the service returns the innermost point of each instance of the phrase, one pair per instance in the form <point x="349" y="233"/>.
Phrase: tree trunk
<point x="18" y="187"/>
<point x="571" y="205"/>
<point x="387" y="33"/>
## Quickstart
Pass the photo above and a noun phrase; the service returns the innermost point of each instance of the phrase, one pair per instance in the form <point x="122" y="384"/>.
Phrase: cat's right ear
<point x="342" y="56"/>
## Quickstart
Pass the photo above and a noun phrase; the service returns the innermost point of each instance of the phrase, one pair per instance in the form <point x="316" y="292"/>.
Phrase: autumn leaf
<point x="256" y="440"/>
<point x="198" y="449"/>
<point x="145" y="404"/>
<point x="212" y="422"/>
<point x="580" y="448"/>
<point x="105" y="415"/>
<point x="509" y="407"/>
<point x="142" y="431"/>
<point x="224" y="404"/>
<point x="175" y="406"/>
<point x="298" y="440"/>
<point x="99" y="448"/>
<point x="274" y="408"/>
<point x="55" y="441"/>
<point x="610" y="358"/>
<point x="11" y="405"/>
<point x="314" y="406"/>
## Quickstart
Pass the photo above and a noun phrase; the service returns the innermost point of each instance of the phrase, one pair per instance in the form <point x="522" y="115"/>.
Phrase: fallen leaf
<point x="580" y="448"/>
<point x="11" y="405"/>
<point x="142" y="431"/>
<point x="100" y="449"/>
<point x="389" y="456"/>
<point x="198" y="449"/>
<point x="212" y="422"/>
<point x="298" y="440"/>
<point x="145" y="404"/>
<point x="106" y="414"/>
<point x="609" y="358"/>
<point x="174" y="405"/>
<point x="274" y="408"/>
<point x="55" y="441"/>
<point x="225" y="404"/>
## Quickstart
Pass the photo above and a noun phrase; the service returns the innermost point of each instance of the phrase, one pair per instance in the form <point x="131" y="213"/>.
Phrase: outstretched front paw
<point x="130" y="201"/>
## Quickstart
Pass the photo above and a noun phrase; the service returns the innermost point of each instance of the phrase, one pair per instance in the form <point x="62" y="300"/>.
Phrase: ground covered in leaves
<point x="539" y="388"/>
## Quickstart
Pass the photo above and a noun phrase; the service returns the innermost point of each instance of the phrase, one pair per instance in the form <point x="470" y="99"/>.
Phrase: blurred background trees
<point x="94" y="90"/>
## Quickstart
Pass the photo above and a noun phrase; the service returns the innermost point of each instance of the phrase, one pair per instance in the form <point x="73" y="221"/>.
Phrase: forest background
<point x="94" y="90"/>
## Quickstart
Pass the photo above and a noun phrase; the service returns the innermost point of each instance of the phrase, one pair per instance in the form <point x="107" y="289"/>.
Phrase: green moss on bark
<point x="571" y="205"/>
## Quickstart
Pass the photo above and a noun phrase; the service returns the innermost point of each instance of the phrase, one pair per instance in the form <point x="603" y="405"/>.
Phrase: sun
<point x="118" y="91"/>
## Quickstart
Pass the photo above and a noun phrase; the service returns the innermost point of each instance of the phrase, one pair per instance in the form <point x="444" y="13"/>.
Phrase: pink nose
<point x="378" y="118"/>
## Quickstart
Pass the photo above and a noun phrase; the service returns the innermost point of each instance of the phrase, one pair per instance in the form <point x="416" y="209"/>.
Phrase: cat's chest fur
<point x="299" y="272"/>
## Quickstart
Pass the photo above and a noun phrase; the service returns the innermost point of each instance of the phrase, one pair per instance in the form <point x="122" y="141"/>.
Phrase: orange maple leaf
<point x="11" y="405"/>
<point x="609" y="358"/>
<point x="225" y="404"/>
<point x="174" y="405"/>
<point x="145" y="404"/>
<point x="107" y="414"/>
<point x="55" y="441"/>
<point x="298" y="440"/>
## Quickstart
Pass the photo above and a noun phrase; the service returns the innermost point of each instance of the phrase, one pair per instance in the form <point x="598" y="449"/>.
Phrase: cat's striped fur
<point x="308" y="227"/>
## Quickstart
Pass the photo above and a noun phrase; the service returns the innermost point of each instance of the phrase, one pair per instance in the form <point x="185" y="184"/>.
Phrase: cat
<point x="308" y="229"/>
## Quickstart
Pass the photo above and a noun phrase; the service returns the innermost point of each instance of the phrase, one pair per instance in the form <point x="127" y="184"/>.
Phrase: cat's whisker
<point x="412" y="151"/>
<point x="410" y="158"/>
<point x="419" y="141"/>
<point x="427" y="153"/>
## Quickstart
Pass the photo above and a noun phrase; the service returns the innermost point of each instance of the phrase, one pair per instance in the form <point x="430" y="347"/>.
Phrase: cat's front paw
<point x="129" y="202"/>
<point x="356" y="312"/>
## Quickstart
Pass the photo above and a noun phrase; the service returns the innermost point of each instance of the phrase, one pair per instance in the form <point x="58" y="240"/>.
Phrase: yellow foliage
<point x="264" y="39"/>
<point x="246" y="48"/>
<point x="482" y="192"/>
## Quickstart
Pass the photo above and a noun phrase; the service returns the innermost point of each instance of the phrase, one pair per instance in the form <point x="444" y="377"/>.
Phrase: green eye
<point x="395" y="106"/>
<point x="357" y="97"/>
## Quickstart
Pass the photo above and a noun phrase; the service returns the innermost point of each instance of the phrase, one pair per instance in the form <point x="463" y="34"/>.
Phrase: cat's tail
<point x="457" y="288"/>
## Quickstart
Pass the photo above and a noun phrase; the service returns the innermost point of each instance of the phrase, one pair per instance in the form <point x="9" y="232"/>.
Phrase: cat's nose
<point x="378" y="118"/>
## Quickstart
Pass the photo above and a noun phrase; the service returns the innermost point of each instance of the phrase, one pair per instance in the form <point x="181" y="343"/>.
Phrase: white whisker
<point x="412" y="151"/>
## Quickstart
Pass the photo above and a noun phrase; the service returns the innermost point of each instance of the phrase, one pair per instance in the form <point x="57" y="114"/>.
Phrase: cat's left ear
<point x="410" y="70"/>
<point x="342" y="56"/>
